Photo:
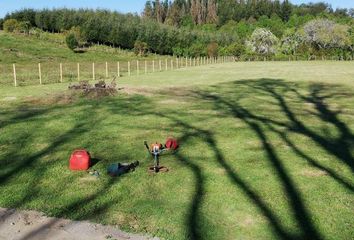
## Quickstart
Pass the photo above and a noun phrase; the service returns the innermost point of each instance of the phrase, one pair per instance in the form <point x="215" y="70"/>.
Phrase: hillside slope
<point x="50" y="47"/>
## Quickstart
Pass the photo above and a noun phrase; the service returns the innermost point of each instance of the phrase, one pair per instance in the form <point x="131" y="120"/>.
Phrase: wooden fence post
<point x="171" y="64"/>
<point x="40" y="73"/>
<point x="61" y="72"/>
<point x="145" y="67"/>
<point x="137" y="67"/>
<point x="128" y="68"/>
<point x="106" y="69"/>
<point x="15" y="78"/>
<point x="78" y="72"/>
<point x="186" y="62"/>
<point x="177" y="62"/>
<point x="166" y="67"/>
<point x="118" y="69"/>
<point x="160" y="65"/>
<point x="93" y="71"/>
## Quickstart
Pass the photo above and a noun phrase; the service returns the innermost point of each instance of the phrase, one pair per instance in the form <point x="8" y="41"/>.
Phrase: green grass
<point x="51" y="47"/>
<point x="267" y="151"/>
<point x="50" y="50"/>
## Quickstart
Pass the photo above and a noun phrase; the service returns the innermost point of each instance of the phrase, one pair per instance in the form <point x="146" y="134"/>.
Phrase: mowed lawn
<point x="267" y="152"/>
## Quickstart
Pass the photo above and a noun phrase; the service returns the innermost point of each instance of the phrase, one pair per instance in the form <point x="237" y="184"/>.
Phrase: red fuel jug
<point x="80" y="160"/>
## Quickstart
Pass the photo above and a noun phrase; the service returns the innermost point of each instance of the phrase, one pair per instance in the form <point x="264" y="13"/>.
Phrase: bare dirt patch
<point x="28" y="225"/>
<point x="60" y="98"/>
<point x="313" y="173"/>
<point x="135" y="90"/>
<point x="7" y="99"/>
<point x="248" y="221"/>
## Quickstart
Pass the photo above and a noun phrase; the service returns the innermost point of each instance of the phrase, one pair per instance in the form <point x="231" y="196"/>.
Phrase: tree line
<point x="121" y="30"/>
<point x="198" y="12"/>
<point x="242" y="28"/>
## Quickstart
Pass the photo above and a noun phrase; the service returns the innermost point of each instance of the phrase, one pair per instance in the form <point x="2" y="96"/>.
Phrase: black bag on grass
<point x="118" y="169"/>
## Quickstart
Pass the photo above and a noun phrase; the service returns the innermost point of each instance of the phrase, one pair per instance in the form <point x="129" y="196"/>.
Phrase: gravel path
<point x="28" y="225"/>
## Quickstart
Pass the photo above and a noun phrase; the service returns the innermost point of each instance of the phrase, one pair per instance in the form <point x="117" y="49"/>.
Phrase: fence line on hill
<point x="46" y="73"/>
<point x="51" y="72"/>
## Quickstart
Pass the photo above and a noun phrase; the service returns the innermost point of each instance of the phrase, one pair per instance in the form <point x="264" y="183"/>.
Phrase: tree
<point x="286" y="9"/>
<point x="291" y="42"/>
<point x="324" y="35"/>
<point x="148" y="10"/>
<point x="351" y="12"/>
<point x="71" y="41"/>
<point x="351" y="44"/>
<point x="158" y="11"/>
<point x="213" y="49"/>
<point x="174" y="14"/>
<point x="263" y="42"/>
<point x="10" y="25"/>
<point x="197" y="50"/>
<point x="236" y="49"/>
<point x="23" y="27"/>
<point x="212" y="16"/>
<point x="79" y="35"/>
<point x="1" y="24"/>
<point x="140" y="48"/>
<point x="197" y="11"/>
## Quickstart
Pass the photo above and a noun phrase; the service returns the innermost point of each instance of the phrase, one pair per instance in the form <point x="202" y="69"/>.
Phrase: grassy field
<point x="50" y="50"/>
<point x="51" y="47"/>
<point x="267" y="152"/>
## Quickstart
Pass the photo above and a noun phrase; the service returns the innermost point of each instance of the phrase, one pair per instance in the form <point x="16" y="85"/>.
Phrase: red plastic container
<point x="80" y="160"/>
<point x="171" y="143"/>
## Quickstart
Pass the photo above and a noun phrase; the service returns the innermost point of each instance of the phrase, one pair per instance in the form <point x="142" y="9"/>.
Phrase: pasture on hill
<point x="49" y="47"/>
<point x="267" y="151"/>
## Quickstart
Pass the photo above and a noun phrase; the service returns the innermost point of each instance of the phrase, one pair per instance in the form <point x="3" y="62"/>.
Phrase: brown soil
<point x="28" y="225"/>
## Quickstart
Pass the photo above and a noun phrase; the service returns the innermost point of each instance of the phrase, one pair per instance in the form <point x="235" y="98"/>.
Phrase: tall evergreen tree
<point x="212" y="16"/>
<point x="194" y="10"/>
<point x="286" y="9"/>
<point x="148" y="10"/>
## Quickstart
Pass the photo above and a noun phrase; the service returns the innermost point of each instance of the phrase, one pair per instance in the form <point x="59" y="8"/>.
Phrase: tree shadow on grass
<point x="15" y="164"/>
<point x="339" y="147"/>
<point x="228" y="100"/>
<point x="226" y="104"/>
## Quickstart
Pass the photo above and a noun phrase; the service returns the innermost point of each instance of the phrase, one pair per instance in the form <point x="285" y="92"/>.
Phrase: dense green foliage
<point x="187" y="28"/>
<point x="10" y="25"/>
<point x="199" y="12"/>
<point x="71" y="41"/>
<point x="120" y="30"/>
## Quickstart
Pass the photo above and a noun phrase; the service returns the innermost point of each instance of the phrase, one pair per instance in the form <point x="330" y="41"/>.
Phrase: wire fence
<point x="47" y="73"/>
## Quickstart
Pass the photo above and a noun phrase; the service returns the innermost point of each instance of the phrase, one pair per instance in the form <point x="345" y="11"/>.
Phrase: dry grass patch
<point x="313" y="173"/>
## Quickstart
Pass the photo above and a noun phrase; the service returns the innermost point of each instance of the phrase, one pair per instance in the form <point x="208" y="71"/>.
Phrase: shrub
<point x="10" y="25"/>
<point x="71" y="41"/>
<point x="140" y="48"/>
<point x="236" y="49"/>
<point x="263" y="42"/>
<point x="23" y="27"/>
<point x="79" y="35"/>
<point x="213" y="49"/>
<point x="197" y="50"/>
